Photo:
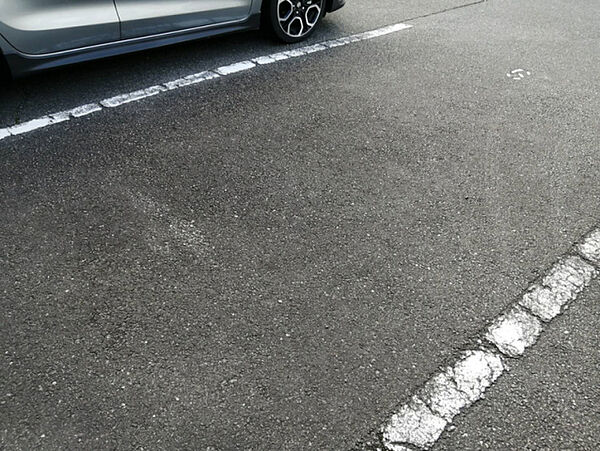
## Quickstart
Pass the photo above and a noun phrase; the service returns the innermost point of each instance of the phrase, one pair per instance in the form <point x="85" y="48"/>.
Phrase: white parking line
<point x="223" y="71"/>
<point x="590" y="248"/>
<point x="421" y="421"/>
<point x="235" y="68"/>
<point x="122" y="99"/>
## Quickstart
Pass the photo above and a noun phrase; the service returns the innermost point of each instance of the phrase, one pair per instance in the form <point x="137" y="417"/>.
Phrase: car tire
<point x="292" y="20"/>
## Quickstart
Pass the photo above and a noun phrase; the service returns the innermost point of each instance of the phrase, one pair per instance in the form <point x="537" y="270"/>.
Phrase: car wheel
<point x="293" y="20"/>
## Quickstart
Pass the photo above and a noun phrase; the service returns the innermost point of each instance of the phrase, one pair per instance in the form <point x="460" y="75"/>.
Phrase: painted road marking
<point x="421" y="421"/>
<point x="223" y="71"/>
<point x="84" y="110"/>
<point x="564" y="282"/>
<point x="514" y="331"/>
<point x="190" y="80"/>
<point x="518" y="74"/>
<point x="590" y="248"/>
<point x="235" y="68"/>
<point x="122" y="99"/>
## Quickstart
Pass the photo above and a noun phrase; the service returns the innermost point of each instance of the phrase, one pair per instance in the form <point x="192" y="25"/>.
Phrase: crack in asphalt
<point x="436" y="13"/>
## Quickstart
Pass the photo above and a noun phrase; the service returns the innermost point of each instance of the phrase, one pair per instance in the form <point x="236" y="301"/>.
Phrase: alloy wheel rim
<point x="298" y="17"/>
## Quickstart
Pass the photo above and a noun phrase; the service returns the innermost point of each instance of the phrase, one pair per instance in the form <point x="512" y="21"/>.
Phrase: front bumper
<point x="333" y="5"/>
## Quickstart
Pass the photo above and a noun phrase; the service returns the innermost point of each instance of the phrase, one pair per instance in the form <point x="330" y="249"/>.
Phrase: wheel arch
<point x="334" y="5"/>
<point x="330" y="5"/>
<point x="5" y="73"/>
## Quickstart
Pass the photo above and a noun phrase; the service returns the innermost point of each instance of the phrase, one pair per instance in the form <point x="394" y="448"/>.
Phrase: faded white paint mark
<point x="569" y="276"/>
<point x="313" y="48"/>
<point x="167" y="229"/>
<point x="191" y="79"/>
<point x="383" y="31"/>
<point x="84" y="110"/>
<point x="235" y="68"/>
<point x="29" y="126"/>
<point x="514" y="331"/>
<point x="476" y="372"/>
<point x="122" y="99"/>
<point x="414" y="424"/>
<point x="132" y="96"/>
<point x="563" y="283"/>
<point x="45" y="121"/>
<point x="422" y="421"/>
<point x="590" y="247"/>
<point x="456" y="388"/>
<point x="262" y="60"/>
<point x="401" y="448"/>
<point x="61" y="116"/>
<point x="518" y="74"/>
<point x="345" y="40"/>
<point x="443" y="396"/>
<point x="542" y="302"/>
<point x="295" y="53"/>
<point x="333" y="43"/>
<point x="187" y="233"/>
<point x="279" y="56"/>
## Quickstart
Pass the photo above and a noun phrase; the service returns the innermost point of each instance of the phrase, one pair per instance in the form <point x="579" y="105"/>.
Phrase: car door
<point x="148" y="17"/>
<point x="46" y="26"/>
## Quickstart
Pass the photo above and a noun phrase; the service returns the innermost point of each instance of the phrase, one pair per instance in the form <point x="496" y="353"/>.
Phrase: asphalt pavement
<point x="279" y="258"/>
<point x="549" y="399"/>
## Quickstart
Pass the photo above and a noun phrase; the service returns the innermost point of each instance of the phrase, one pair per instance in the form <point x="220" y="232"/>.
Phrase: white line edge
<point x="422" y="421"/>
<point x="223" y="71"/>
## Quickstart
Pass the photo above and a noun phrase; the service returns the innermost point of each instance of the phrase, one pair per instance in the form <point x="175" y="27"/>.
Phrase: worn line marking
<point x="122" y="99"/>
<point x="590" y="247"/>
<point x="514" y="332"/>
<point x="562" y="284"/>
<point x="235" y="68"/>
<point x="421" y="421"/>
<point x="223" y="71"/>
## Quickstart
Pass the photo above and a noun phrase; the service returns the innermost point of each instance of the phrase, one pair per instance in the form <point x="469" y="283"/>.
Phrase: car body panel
<point x="334" y="5"/>
<point x="45" y="26"/>
<point x="22" y="63"/>
<point x="149" y="17"/>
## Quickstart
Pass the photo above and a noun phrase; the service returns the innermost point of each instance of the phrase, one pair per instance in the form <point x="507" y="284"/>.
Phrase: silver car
<point x="40" y="34"/>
